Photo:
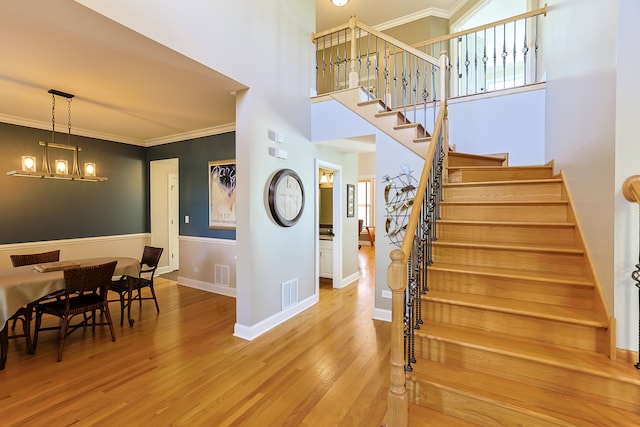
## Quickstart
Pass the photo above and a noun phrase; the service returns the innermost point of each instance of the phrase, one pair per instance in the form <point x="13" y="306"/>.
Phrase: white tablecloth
<point x="22" y="285"/>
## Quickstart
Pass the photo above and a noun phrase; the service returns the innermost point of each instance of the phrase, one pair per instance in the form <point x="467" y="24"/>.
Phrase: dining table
<point x="21" y="286"/>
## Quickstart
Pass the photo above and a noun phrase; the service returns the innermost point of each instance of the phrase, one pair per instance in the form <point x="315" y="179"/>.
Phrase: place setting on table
<point x="40" y="283"/>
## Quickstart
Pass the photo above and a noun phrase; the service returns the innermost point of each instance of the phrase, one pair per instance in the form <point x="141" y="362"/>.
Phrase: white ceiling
<point x="128" y="88"/>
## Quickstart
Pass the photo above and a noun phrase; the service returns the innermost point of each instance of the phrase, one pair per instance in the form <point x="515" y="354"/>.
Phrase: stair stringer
<point x="410" y="135"/>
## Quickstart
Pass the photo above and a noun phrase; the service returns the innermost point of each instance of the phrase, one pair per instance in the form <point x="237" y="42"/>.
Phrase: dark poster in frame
<point x="351" y="200"/>
<point x="222" y="194"/>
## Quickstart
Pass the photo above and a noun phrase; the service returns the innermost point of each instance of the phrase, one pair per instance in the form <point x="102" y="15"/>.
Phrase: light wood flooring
<point x="327" y="367"/>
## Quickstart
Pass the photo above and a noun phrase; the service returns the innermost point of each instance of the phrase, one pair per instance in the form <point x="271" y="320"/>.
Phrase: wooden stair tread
<point x="419" y="415"/>
<point x="422" y="139"/>
<point x="565" y="279"/>
<point x="556" y="313"/>
<point x="484" y="168"/>
<point x="511" y="247"/>
<point x="503" y="202"/>
<point x="565" y="409"/>
<point x="508" y="223"/>
<point x="572" y="359"/>
<point x="501" y="183"/>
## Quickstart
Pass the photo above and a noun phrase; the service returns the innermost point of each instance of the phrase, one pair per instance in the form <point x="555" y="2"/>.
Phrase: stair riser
<point x="531" y="234"/>
<point x="519" y="289"/>
<point x="498" y="174"/>
<point x="500" y="192"/>
<point x="551" y="262"/>
<point x="455" y="160"/>
<point x="489" y="212"/>
<point x="533" y="328"/>
<point x="557" y="379"/>
<point x="477" y="411"/>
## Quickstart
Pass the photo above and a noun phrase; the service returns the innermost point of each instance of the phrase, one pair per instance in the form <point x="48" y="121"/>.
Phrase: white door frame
<point x="174" y="221"/>
<point x="337" y="221"/>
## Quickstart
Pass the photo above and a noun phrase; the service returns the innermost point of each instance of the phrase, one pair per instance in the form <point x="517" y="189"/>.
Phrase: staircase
<point x="515" y="328"/>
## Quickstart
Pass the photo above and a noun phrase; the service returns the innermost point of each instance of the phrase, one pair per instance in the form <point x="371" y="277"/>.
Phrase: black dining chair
<point x="25" y="314"/>
<point x="86" y="290"/>
<point x="148" y="265"/>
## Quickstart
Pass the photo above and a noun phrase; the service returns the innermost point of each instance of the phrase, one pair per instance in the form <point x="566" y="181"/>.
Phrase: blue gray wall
<point x="36" y="210"/>
<point x="194" y="156"/>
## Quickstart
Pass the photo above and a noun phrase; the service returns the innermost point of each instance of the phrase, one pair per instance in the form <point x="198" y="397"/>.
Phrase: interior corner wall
<point x="269" y="53"/>
<point x="580" y="118"/>
<point x="627" y="153"/>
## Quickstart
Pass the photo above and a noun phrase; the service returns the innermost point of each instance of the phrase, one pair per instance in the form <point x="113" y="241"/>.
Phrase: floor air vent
<point x="289" y="293"/>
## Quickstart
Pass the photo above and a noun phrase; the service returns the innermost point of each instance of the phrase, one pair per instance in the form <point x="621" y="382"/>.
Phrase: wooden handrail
<point x="631" y="188"/>
<point x="541" y="11"/>
<point x="397" y="400"/>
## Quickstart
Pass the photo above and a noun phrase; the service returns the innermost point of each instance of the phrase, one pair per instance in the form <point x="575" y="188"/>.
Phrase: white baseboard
<point x="208" y="287"/>
<point x="380" y="314"/>
<point x="249" y="333"/>
<point x="350" y="279"/>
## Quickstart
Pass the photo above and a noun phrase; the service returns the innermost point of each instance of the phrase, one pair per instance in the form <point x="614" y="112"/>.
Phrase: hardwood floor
<point x="327" y="367"/>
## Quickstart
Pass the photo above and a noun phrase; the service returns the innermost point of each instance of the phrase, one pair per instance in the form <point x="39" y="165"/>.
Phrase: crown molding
<point x="431" y="11"/>
<point x="199" y="133"/>
<point x="36" y="124"/>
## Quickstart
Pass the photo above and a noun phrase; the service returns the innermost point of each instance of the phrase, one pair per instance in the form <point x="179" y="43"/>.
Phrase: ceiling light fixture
<point x="61" y="170"/>
<point x="339" y="2"/>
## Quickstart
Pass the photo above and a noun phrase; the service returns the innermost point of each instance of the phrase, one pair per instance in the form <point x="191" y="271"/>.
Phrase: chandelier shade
<point x="60" y="166"/>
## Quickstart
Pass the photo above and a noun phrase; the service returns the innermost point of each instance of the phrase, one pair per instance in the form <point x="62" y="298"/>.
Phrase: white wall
<point x="580" y="118"/>
<point x="266" y="46"/>
<point x="159" y="171"/>
<point x="627" y="155"/>
<point x="503" y="122"/>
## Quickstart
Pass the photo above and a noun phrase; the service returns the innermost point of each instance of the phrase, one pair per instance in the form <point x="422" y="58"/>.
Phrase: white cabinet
<point x="326" y="258"/>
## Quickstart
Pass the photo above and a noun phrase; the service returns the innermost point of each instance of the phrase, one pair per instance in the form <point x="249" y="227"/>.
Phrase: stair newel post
<point x="397" y="401"/>
<point x="353" y="72"/>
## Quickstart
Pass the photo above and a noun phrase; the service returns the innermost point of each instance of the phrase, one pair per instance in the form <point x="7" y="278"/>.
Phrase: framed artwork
<point x="351" y="200"/>
<point x="222" y="194"/>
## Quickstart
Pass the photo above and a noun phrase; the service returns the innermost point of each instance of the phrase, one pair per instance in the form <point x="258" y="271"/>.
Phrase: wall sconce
<point x="326" y="180"/>
<point x="61" y="167"/>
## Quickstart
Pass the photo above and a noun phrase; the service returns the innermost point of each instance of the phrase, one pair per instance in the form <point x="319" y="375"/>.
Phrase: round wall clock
<point x="286" y="197"/>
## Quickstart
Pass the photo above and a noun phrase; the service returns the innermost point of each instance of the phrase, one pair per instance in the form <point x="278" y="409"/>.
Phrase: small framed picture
<point x="351" y="200"/>
<point x="222" y="194"/>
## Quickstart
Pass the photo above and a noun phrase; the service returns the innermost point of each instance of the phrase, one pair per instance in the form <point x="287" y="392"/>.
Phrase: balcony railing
<point x="500" y="55"/>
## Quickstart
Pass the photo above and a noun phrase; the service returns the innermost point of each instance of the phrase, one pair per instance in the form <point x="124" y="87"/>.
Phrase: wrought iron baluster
<point x="484" y="60"/>
<point x="324" y="64"/>
<point x="475" y="62"/>
<point x="525" y="50"/>
<point x="495" y="58"/>
<point x="536" y="52"/>
<point x="515" y="51"/>
<point x="330" y="63"/>
<point x="504" y="55"/>
<point x="466" y="63"/>
<point x="346" y="61"/>
<point x="404" y="83"/>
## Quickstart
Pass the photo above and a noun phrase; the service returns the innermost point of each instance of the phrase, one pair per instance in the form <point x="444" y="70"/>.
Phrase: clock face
<point x="286" y="197"/>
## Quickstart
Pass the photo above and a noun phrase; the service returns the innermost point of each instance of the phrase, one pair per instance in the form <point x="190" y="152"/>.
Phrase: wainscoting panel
<point x="126" y="245"/>
<point x="201" y="258"/>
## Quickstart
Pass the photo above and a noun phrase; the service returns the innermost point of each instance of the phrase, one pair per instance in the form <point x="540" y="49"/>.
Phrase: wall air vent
<point x="289" y="293"/>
